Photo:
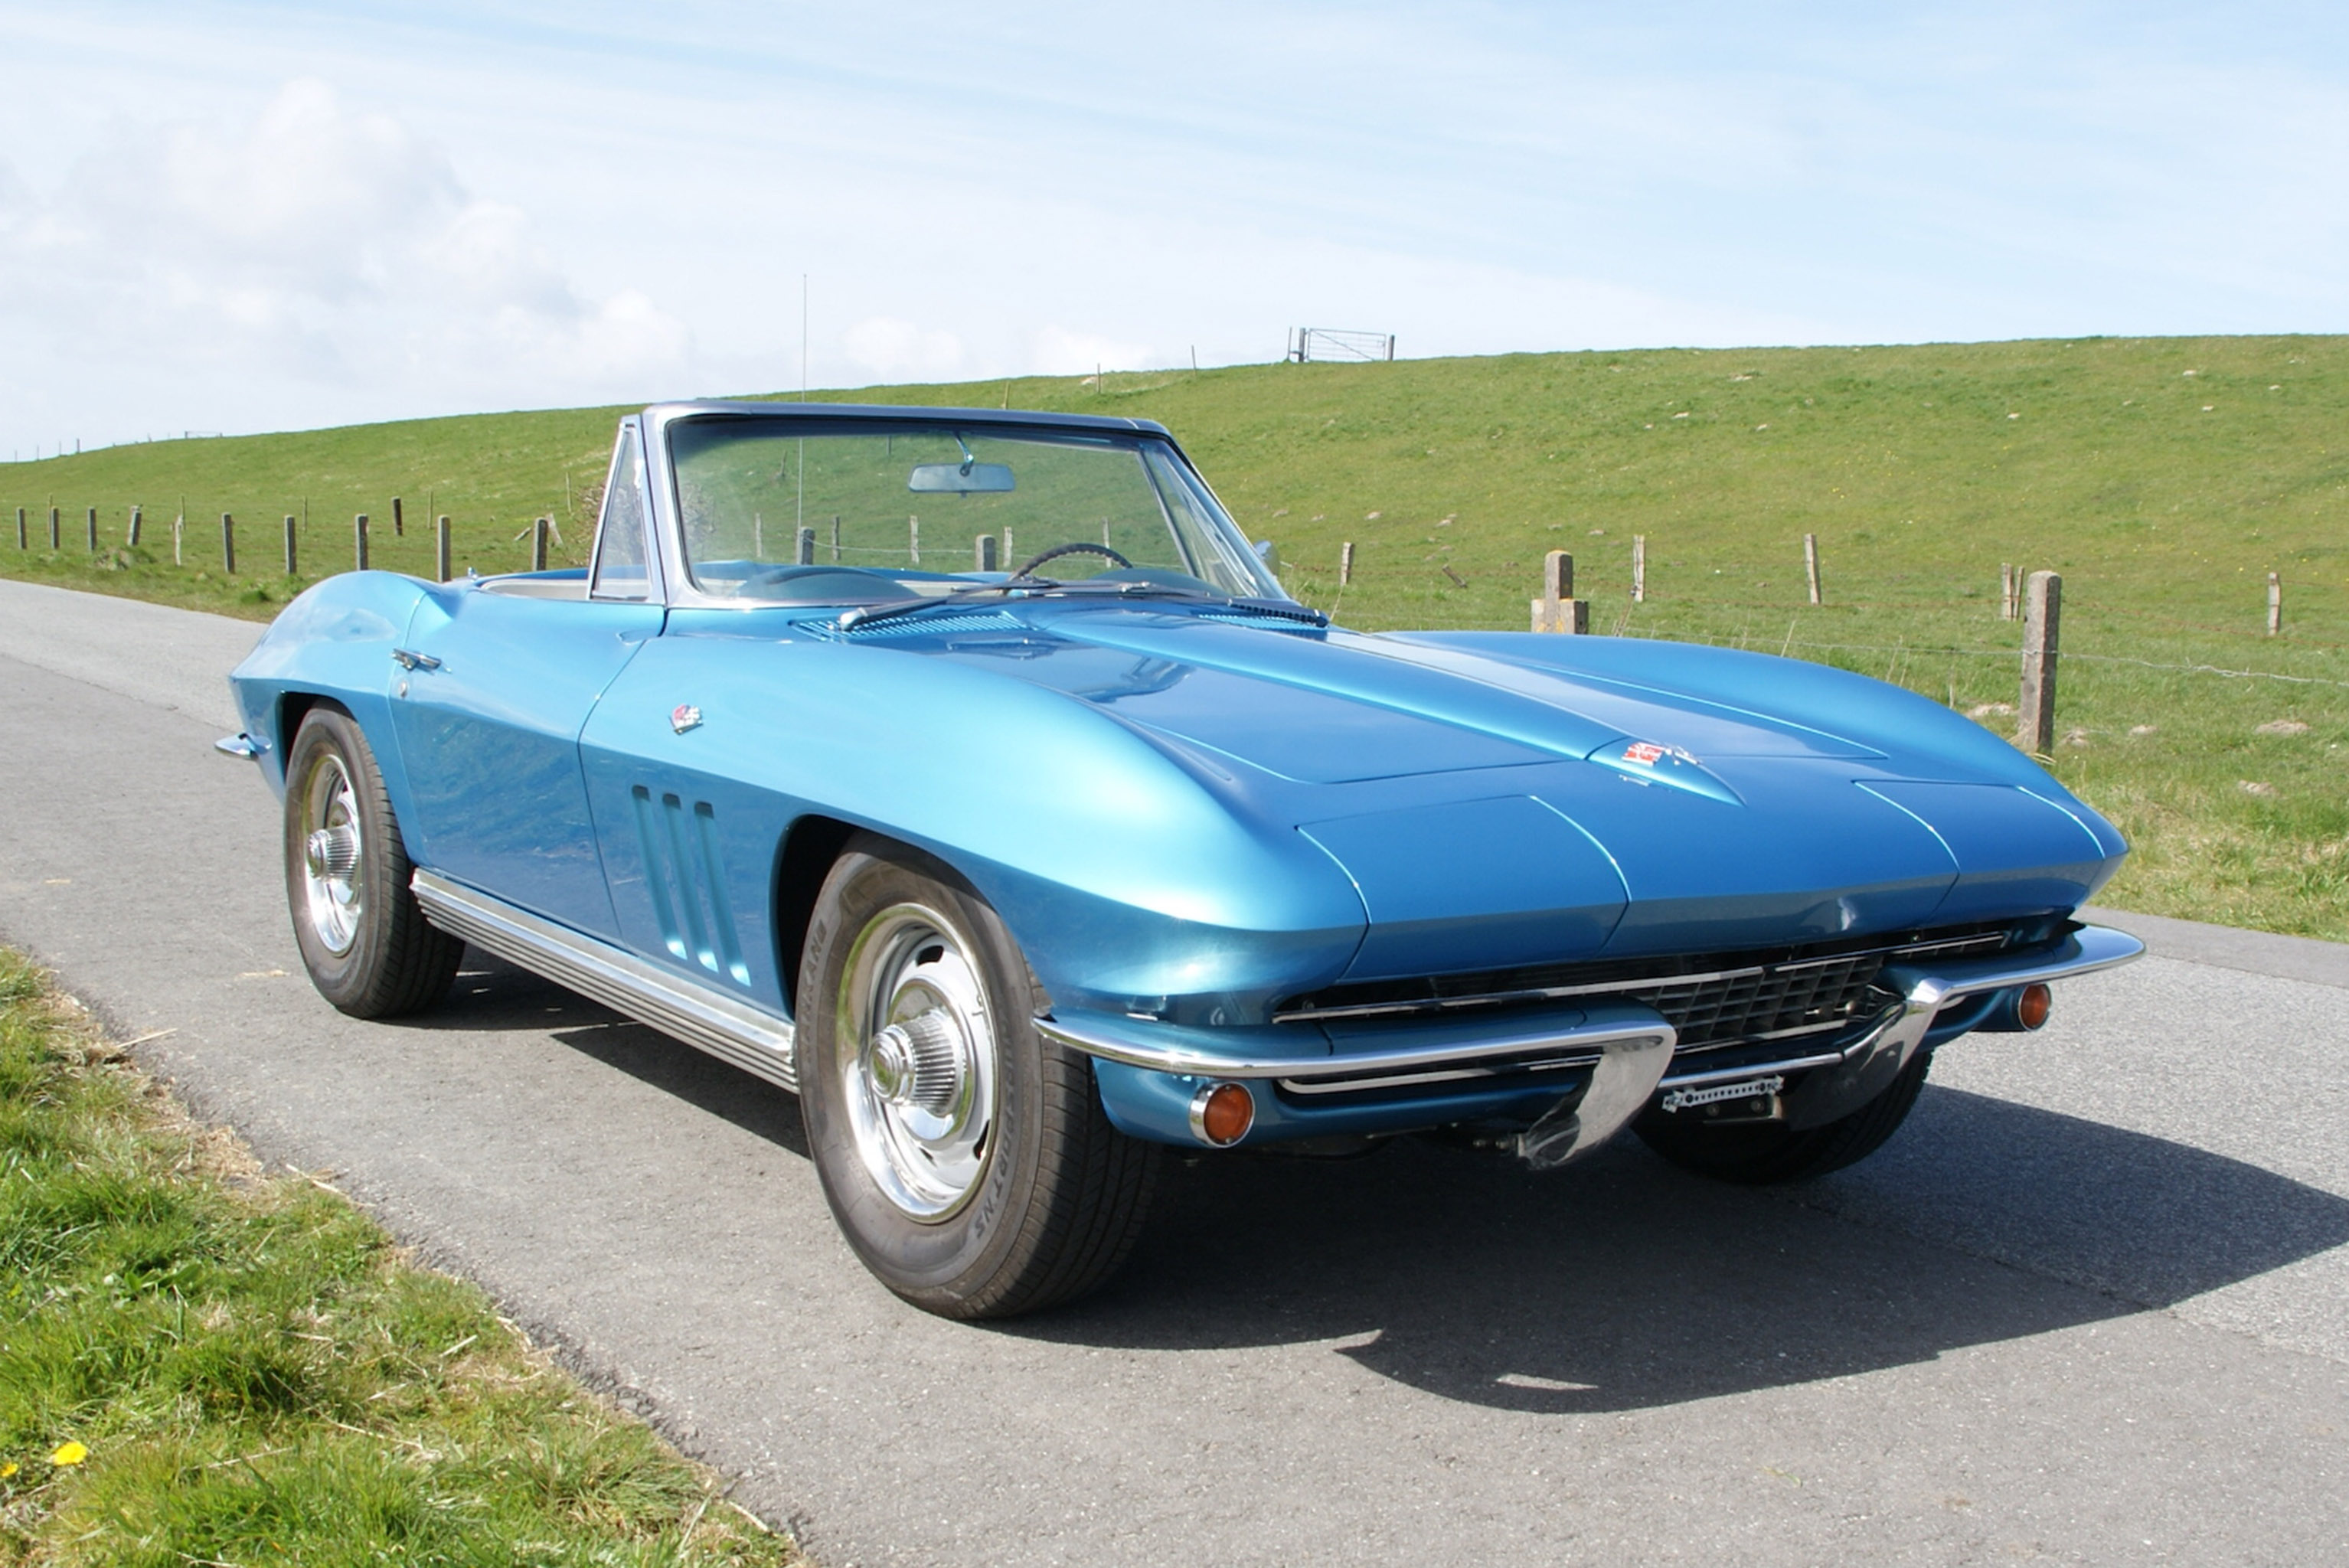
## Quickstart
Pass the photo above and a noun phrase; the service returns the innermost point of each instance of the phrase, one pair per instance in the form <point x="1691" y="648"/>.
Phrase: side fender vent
<point x="688" y="883"/>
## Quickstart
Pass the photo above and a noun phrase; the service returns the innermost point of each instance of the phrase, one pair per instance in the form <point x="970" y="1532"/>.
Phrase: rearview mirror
<point x="960" y="478"/>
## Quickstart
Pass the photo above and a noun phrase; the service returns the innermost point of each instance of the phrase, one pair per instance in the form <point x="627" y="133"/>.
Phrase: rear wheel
<point x="967" y="1158"/>
<point x="1763" y="1152"/>
<point x="366" y="945"/>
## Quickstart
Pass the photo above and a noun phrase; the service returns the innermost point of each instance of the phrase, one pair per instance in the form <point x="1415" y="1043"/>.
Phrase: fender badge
<point x="683" y="717"/>
<point x="1646" y="753"/>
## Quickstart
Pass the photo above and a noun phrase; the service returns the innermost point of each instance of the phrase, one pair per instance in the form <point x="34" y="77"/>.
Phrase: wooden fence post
<point x="538" y="544"/>
<point x="359" y="541"/>
<point x="292" y="558"/>
<point x="1811" y="564"/>
<point x="2042" y="614"/>
<point x="1010" y="559"/>
<point x="914" y="540"/>
<point x="1557" y="609"/>
<point x="399" y="524"/>
<point x="805" y="554"/>
<point x="130" y="534"/>
<point x="53" y="530"/>
<point x="2006" y="595"/>
<point x="1639" y="569"/>
<point x="982" y="552"/>
<point x="1345" y="563"/>
<point x="835" y="536"/>
<point x="2275" y="603"/>
<point x="179" y="540"/>
<point x="90" y="522"/>
<point x="21" y="542"/>
<point x="441" y="548"/>
<point x="228" y="545"/>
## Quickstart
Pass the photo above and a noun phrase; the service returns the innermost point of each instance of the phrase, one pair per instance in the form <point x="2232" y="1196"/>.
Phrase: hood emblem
<point x="683" y="717"/>
<point x="1647" y="754"/>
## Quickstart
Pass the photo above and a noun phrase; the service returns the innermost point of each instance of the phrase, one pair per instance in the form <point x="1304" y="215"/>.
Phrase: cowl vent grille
<point x="925" y="625"/>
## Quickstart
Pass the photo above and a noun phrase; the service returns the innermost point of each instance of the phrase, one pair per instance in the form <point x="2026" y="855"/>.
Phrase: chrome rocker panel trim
<point x="701" y="1015"/>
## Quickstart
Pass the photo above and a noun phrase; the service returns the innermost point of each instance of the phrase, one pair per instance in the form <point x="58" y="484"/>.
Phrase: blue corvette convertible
<point x="969" y="775"/>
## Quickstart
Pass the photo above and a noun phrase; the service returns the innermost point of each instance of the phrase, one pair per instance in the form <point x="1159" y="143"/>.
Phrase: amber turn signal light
<point x="2030" y="1008"/>
<point x="1222" y="1113"/>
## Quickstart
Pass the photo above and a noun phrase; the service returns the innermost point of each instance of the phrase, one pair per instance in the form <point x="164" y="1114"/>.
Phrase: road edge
<point x="2304" y="958"/>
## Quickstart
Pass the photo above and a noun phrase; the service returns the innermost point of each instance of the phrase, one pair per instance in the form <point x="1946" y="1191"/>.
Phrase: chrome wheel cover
<point x="915" y="1057"/>
<point x="334" y="885"/>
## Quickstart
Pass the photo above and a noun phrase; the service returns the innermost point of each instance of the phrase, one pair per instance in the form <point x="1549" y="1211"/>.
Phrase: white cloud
<point x="326" y="255"/>
<point x="891" y="349"/>
<point x="1056" y="351"/>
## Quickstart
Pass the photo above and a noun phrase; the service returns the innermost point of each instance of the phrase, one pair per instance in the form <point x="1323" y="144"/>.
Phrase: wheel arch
<point x="810" y="847"/>
<point x="295" y="703"/>
<point x="293" y="707"/>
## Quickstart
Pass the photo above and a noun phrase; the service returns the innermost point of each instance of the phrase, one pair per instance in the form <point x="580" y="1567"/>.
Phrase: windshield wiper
<point x="1281" y="609"/>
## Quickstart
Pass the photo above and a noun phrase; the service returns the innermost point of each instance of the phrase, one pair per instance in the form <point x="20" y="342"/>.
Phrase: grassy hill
<point x="2164" y="478"/>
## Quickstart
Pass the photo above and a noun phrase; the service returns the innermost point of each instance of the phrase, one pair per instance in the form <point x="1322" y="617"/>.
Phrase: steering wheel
<point x="1079" y="548"/>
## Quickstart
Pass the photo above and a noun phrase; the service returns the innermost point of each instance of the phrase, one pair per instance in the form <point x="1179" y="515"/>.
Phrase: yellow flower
<point x="68" y="1454"/>
<point x="8" y="1469"/>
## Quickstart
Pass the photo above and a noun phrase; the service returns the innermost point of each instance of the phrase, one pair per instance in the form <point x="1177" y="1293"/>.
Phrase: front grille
<point x="1711" y="999"/>
<point x="1779" y="999"/>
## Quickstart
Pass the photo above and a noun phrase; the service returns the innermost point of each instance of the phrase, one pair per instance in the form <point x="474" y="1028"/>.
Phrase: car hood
<point x="1339" y="707"/>
<point x="1502" y="797"/>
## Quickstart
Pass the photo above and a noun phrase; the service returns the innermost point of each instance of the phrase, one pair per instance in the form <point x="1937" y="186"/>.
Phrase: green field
<point x="2164" y="478"/>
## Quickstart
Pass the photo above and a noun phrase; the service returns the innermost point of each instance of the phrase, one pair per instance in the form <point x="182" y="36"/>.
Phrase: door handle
<point x="409" y="660"/>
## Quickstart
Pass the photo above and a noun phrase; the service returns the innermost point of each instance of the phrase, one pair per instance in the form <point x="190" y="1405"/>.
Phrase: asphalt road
<point x="2092" y="1305"/>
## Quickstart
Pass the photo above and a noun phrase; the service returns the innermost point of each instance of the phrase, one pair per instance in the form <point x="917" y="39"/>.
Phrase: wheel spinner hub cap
<point x="917" y="1061"/>
<point x="332" y="853"/>
<point x="921" y="1063"/>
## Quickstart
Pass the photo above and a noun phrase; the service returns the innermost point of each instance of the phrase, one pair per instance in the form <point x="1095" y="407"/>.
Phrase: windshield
<point x="813" y="510"/>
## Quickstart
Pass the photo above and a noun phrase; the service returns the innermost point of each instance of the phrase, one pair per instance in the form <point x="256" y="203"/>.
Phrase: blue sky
<point x="245" y="216"/>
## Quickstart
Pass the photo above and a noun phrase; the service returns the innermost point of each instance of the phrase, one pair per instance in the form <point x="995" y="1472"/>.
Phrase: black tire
<point x="1034" y="1206"/>
<point x="373" y="956"/>
<point x="1763" y="1153"/>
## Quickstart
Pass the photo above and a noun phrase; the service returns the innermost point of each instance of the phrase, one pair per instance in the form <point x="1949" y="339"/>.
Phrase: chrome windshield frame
<point x="667" y="511"/>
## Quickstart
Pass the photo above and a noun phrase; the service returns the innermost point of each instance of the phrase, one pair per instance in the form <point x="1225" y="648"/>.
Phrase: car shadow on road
<point x="1623" y="1283"/>
<point x="1619" y="1282"/>
<point x="492" y="995"/>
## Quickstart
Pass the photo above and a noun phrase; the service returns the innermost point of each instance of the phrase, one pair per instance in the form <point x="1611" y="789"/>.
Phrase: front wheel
<point x="366" y="943"/>
<point x="1765" y="1152"/>
<point x="966" y="1158"/>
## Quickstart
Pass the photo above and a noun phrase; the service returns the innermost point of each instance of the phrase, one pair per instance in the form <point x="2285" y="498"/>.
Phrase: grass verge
<point x="204" y="1364"/>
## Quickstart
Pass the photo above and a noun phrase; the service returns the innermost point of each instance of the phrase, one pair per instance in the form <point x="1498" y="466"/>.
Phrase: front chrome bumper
<point x="1925" y="990"/>
<point x="1629" y="1046"/>
<point x="1839" y="1082"/>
